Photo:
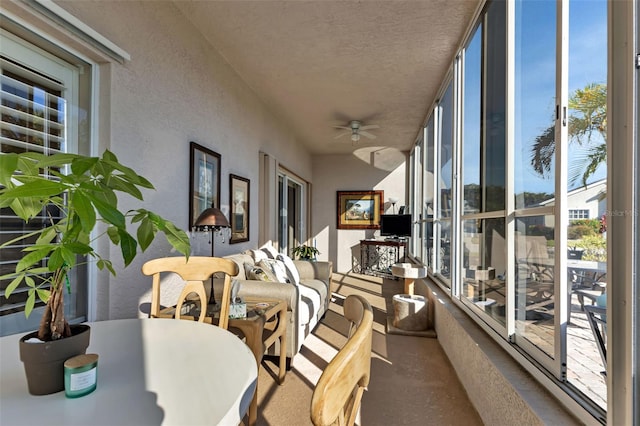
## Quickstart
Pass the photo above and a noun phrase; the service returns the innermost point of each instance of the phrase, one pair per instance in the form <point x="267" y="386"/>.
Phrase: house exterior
<point x="588" y="202"/>
<point x="585" y="202"/>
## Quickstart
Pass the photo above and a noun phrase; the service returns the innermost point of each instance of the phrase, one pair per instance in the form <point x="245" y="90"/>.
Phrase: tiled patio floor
<point x="584" y="365"/>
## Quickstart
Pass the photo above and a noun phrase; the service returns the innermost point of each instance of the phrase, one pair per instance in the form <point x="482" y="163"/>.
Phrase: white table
<point x="150" y="372"/>
<point x="588" y="265"/>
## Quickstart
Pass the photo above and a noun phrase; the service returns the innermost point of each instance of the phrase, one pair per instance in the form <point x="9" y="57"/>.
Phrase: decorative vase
<point x="44" y="361"/>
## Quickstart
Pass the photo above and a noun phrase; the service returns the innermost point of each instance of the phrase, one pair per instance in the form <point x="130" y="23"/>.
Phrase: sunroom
<point x="488" y="122"/>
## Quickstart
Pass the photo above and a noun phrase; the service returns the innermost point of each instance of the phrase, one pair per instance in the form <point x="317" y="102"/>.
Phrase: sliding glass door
<point x="292" y="212"/>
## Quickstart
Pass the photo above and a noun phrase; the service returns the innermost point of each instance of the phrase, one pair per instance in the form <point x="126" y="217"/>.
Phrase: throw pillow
<point x="292" y="271"/>
<point x="258" y="255"/>
<point x="276" y="267"/>
<point x="253" y="272"/>
<point x="270" y="250"/>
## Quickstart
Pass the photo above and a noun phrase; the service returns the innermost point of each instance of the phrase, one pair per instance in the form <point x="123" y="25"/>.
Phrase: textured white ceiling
<point x="319" y="64"/>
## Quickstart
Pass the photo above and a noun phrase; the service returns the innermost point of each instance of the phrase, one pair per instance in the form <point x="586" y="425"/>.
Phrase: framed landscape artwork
<point x="239" y="202"/>
<point x="204" y="181"/>
<point x="359" y="209"/>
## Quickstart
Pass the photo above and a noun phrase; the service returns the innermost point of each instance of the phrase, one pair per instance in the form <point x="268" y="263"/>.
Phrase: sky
<point x="536" y="68"/>
<point x="535" y="80"/>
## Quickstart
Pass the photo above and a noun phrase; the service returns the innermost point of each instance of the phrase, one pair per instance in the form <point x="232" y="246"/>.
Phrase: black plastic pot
<point x="44" y="361"/>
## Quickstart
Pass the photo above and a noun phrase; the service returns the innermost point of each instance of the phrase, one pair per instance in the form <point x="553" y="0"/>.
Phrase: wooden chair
<point x="195" y="272"/>
<point x="336" y="398"/>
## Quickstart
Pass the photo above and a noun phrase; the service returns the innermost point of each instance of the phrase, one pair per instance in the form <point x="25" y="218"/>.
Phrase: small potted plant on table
<point x="84" y="190"/>
<point x="304" y="252"/>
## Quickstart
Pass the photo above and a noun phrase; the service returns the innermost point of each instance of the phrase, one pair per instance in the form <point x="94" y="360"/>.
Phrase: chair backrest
<point x="337" y="396"/>
<point x="195" y="272"/>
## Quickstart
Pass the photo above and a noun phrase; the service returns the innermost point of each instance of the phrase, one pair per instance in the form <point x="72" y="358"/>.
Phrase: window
<point x="415" y="194"/>
<point x="483" y="173"/>
<point x="444" y="186"/>
<point x="527" y="95"/>
<point x="535" y="226"/>
<point x="578" y="214"/>
<point x="42" y="111"/>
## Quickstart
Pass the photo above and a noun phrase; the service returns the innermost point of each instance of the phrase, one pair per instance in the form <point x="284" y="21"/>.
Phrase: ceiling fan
<point x="356" y="129"/>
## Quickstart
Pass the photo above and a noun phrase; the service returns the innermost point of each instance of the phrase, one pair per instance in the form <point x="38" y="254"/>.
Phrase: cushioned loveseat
<point x="307" y="300"/>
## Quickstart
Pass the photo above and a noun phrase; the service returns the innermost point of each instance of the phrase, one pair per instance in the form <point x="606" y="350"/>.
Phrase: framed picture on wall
<point x="204" y="181"/>
<point x="239" y="202"/>
<point x="359" y="209"/>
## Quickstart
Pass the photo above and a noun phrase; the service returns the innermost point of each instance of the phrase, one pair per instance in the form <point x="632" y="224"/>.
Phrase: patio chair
<point x="336" y="398"/>
<point x="586" y="284"/>
<point x="597" y="317"/>
<point x="195" y="272"/>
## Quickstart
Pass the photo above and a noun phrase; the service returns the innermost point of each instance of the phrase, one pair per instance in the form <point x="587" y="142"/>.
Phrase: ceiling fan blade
<point x="342" y="127"/>
<point x="342" y="134"/>
<point x="367" y="135"/>
<point x="370" y="126"/>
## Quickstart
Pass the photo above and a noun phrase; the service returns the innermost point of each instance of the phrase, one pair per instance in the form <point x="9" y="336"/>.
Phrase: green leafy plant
<point x="595" y="248"/>
<point x="592" y="223"/>
<point x="588" y="117"/>
<point x="575" y="232"/>
<point x="84" y="190"/>
<point x="305" y="252"/>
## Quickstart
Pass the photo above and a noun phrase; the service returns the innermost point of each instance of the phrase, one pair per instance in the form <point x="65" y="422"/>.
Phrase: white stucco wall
<point x="593" y="198"/>
<point x="367" y="169"/>
<point x="177" y="89"/>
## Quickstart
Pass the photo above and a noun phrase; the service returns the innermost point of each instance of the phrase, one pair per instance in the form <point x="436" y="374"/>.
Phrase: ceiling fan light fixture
<point x="355" y="137"/>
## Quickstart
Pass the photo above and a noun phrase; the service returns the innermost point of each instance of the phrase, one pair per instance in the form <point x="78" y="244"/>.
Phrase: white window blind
<point x="32" y="119"/>
<point x="32" y="113"/>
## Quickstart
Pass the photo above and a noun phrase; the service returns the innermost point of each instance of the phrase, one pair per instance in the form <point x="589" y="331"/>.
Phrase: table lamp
<point x="211" y="220"/>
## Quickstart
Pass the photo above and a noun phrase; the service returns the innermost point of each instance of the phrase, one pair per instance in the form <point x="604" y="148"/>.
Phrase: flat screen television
<point x="397" y="225"/>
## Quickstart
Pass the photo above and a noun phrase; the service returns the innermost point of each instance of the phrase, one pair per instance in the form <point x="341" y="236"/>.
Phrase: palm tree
<point x="588" y="109"/>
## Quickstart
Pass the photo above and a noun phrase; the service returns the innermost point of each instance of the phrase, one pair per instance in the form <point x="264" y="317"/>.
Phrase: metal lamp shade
<point x="211" y="218"/>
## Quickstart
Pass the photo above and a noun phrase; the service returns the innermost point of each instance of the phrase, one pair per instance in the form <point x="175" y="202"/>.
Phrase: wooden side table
<point x="270" y="315"/>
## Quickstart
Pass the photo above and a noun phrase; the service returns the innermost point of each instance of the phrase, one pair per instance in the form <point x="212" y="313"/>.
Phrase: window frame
<point x="75" y="43"/>
<point x="31" y="60"/>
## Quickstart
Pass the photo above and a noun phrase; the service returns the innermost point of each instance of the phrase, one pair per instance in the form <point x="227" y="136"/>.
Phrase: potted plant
<point x="85" y="191"/>
<point x="304" y="252"/>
